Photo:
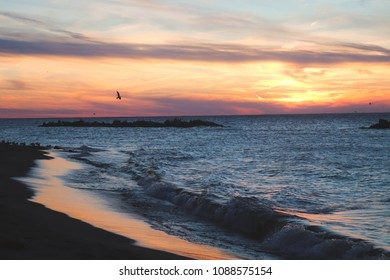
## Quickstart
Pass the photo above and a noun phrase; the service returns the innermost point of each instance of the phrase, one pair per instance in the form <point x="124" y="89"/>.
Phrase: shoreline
<point x="103" y="211"/>
<point x="30" y="231"/>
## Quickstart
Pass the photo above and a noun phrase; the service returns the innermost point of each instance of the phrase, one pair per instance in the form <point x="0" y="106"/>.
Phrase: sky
<point x="175" y="57"/>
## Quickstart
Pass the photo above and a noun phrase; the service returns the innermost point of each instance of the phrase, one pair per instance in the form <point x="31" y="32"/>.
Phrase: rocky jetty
<point x="142" y="123"/>
<point x="382" y="124"/>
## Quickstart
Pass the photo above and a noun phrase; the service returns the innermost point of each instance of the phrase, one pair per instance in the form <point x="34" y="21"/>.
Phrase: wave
<point x="244" y="215"/>
<point x="280" y="234"/>
<point x="299" y="241"/>
<point x="275" y="232"/>
<point x="83" y="152"/>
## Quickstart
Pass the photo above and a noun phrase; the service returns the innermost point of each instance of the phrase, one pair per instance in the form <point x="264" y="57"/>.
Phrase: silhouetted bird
<point x="118" y="95"/>
<point x="370" y="103"/>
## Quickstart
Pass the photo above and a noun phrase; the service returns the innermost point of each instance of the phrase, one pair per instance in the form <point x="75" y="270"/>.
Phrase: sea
<point x="260" y="187"/>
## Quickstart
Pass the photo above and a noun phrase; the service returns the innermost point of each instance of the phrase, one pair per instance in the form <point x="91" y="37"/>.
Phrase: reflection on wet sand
<point x="85" y="206"/>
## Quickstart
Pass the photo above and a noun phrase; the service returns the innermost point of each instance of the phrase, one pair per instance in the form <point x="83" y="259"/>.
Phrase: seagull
<point x="118" y="95"/>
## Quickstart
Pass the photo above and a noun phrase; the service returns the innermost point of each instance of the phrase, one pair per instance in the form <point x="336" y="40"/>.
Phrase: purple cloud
<point x="191" y="106"/>
<point x="206" y="52"/>
<point x="36" y="113"/>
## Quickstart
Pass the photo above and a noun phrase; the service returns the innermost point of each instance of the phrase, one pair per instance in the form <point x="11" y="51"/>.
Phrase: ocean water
<point x="273" y="186"/>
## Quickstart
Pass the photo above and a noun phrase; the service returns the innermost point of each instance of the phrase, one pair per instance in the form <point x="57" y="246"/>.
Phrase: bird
<point x="118" y="95"/>
<point x="370" y="103"/>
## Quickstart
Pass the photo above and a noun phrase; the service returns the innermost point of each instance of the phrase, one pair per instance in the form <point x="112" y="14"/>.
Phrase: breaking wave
<point x="279" y="234"/>
<point x="299" y="241"/>
<point x="244" y="215"/>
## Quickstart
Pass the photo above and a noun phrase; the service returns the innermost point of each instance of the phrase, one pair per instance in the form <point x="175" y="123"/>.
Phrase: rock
<point x="382" y="124"/>
<point x="140" y="123"/>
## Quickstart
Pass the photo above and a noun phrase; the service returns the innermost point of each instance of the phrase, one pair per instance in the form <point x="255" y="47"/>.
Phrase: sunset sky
<point x="175" y="57"/>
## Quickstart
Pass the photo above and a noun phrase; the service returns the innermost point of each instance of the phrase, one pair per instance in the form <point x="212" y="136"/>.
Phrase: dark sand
<point x="31" y="231"/>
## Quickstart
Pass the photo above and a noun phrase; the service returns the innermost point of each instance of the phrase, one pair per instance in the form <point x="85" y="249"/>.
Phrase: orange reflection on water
<point x="88" y="207"/>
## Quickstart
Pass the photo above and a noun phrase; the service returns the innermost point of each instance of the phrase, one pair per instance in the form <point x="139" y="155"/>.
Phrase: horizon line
<point x="202" y="116"/>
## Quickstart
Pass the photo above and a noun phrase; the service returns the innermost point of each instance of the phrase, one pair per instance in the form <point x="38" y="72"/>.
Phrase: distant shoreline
<point x="32" y="231"/>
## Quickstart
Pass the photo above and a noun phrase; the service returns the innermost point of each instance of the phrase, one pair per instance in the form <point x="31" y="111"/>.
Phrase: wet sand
<point x="31" y="231"/>
<point x="104" y="212"/>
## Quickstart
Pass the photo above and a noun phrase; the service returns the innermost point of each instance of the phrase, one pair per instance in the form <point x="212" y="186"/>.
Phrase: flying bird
<point x="118" y="95"/>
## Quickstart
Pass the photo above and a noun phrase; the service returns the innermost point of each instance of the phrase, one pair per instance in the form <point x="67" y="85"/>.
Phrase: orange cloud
<point x="44" y="86"/>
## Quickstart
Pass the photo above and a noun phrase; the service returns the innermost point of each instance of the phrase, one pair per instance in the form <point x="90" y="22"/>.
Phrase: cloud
<point x="43" y="25"/>
<point x="180" y="106"/>
<point x="321" y="51"/>
<point x="36" y="113"/>
<point x="205" y="52"/>
<point x="192" y="106"/>
<point x="12" y="84"/>
<point x="302" y="75"/>
<point x="366" y="47"/>
<point x="21" y="18"/>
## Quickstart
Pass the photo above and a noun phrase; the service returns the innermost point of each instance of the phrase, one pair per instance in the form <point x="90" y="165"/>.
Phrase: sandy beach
<point x="32" y="231"/>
